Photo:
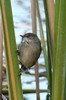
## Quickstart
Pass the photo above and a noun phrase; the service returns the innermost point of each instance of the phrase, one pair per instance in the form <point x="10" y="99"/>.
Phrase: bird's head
<point x="29" y="37"/>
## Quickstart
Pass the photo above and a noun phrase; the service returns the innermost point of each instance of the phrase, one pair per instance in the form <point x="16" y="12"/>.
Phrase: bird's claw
<point x="20" y="72"/>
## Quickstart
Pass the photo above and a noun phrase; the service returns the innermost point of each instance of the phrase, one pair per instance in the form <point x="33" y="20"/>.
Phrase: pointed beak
<point x="22" y="35"/>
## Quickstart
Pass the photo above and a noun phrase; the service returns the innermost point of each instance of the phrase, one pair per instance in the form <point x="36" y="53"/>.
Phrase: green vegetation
<point x="54" y="50"/>
<point x="14" y="82"/>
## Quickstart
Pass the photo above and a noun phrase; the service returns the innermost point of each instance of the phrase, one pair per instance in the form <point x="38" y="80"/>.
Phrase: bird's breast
<point x="29" y="54"/>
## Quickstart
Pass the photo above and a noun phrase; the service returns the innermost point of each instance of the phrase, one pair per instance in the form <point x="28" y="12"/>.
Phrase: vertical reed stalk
<point x="59" y="61"/>
<point x="44" y="49"/>
<point x="33" y="7"/>
<point x="56" y="18"/>
<point x="1" y="55"/>
<point x="50" y="8"/>
<point x="14" y="82"/>
<point x="49" y="45"/>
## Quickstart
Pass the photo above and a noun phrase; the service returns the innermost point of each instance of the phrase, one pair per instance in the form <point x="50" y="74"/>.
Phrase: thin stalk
<point x="26" y="91"/>
<point x="44" y="46"/>
<point x="33" y="10"/>
<point x="49" y="45"/>
<point x="14" y="82"/>
<point x="56" y="17"/>
<point x="33" y="7"/>
<point x="37" y="81"/>
<point x="1" y="52"/>
<point x="50" y="9"/>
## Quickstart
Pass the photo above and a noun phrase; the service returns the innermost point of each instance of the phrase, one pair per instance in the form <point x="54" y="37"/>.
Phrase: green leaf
<point x="15" y="89"/>
<point x="59" y="61"/>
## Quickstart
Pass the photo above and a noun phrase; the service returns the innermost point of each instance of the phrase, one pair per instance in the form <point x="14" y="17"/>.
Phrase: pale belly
<point x="29" y="56"/>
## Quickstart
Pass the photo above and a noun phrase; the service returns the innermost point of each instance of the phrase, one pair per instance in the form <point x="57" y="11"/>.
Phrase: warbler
<point x="29" y="50"/>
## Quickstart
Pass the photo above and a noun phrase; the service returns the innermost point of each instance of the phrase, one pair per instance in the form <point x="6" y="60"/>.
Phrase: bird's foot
<point x="20" y="72"/>
<point x="23" y="69"/>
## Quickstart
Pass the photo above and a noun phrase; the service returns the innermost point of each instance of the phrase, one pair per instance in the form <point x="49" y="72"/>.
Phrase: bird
<point x="28" y="51"/>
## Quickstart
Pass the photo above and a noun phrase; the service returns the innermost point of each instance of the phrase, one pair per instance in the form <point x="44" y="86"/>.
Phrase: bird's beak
<point x="22" y="35"/>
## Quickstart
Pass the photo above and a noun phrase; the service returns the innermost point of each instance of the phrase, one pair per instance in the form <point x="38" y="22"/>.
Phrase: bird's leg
<point x="20" y="68"/>
<point x="23" y="68"/>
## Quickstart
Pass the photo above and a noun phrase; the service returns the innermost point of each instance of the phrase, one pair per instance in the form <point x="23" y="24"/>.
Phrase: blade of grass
<point x="50" y="9"/>
<point x="1" y="52"/>
<point x="44" y="47"/>
<point x="50" y="35"/>
<point x="56" y="17"/>
<point x="59" y="90"/>
<point x="15" y="89"/>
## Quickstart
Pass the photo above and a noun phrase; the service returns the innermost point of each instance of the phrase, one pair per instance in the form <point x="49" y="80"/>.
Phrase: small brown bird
<point x="29" y="50"/>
